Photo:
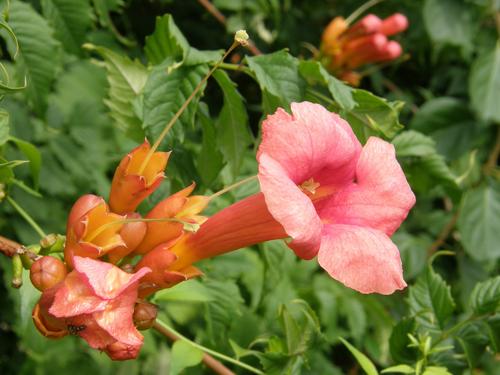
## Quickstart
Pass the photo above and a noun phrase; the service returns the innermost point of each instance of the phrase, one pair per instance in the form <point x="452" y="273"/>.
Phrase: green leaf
<point x="424" y="165"/>
<point x="449" y="22"/>
<point x="398" y="369"/>
<point x="451" y="124"/>
<point x="227" y="304"/>
<point x="4" y="127"/>
<point x="430" y="300"/>
<point x="399" y="341"/>
<point x="184" y="355"/>
<point x="485" y="297"/>
<point x="362" y="359"/>
<point x="188" y="291"/>
<point x="126" y="80"/>
<point x="435" y="370"/>
<point x="373" y="115"/>
<point x="479" y="221"/>
<point x="210" y="160"/>
<point x="165" y="92"/>
<point x="313" y="72"/>
<point x="412" y="143"/>
<point x="92" y="88"/>
<point x="233" y="134"/>
<point x="40" y="52"/>
<point x="166" y="42"/>
<point x="33" y="155"/>
<point x="278" y="77"/>
<point x="473" y="340"/>
<point x="70" y="20"/>
<point x="484" y="85"/>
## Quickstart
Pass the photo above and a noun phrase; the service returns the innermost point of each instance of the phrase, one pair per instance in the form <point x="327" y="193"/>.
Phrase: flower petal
<point x="75" y="297"/>
<point x="290" y="207"/>
<point x="117" y="320"/>
<point x="107" y="280"/>
<point x="313" y="142"/>
<point x="380" y="198"/>
<point x="361" y="258"/>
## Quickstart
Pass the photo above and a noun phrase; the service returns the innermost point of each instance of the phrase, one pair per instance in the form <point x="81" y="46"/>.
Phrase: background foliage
<point x="84" y="81"/>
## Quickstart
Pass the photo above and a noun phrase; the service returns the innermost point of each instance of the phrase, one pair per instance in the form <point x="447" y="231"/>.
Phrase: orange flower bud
<point x="131" y="185"/>
<point x="394" y="24"/>
<point x="331" y="35"/>
<point x="47" y="272"/>
<point x="144" y="315"/>
<point x="367" y="25"/>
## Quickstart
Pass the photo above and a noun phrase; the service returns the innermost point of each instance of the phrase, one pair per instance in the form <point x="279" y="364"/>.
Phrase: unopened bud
<point x="47" y="272"/>
<point x="144" y="315"/>
<point x="17" y="271"/>
<point x="2" y="192"/>
<point x="241" y="37"/>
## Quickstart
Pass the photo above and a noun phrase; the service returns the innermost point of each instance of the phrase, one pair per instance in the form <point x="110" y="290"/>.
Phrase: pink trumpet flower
<point x="334" y="198"/>
<point x="96" y="301"/>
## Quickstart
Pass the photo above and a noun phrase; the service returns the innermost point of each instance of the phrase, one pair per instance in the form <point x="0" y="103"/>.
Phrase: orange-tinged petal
<point x="160" y="232"/>
<point x="130" y="185"/>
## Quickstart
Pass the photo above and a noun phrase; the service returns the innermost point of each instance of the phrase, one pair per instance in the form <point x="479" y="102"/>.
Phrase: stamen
<point x="310" y="186"/>
<point x="238" y="39"/>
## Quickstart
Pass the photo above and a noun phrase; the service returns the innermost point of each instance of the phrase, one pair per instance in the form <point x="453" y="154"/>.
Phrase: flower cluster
<point x="346" y="48"/>
<point x="321" y="190"/>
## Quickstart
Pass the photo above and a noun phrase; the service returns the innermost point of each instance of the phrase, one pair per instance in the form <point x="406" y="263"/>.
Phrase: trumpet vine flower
<point x="332" y="197"/>
<point x="96" y="301"/>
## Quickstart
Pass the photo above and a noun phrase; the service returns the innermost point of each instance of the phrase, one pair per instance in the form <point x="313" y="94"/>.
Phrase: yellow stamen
<point x="310" y="186"/>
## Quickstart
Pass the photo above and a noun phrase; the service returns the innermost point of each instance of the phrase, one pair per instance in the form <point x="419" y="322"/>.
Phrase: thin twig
<point x="217" y="14"/>
<point x="208" y="360"/>
<point x="9" y="247"/>
<point x="164" y="328"/>
<point x="443" y="235"/>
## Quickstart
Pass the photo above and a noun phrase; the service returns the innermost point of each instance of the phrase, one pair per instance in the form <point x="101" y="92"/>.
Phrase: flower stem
<point x="183" y="108"/>
<point x="233" y="186"/>
<point x="26" y="217"/>
<point x="363" y="8"/>
<point x="165" y="329"/>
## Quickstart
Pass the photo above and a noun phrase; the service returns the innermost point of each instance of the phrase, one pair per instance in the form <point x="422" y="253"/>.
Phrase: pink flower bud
<point x="394" y="24"/>
<point x="47" y="272"/>
<point x="367" y="25"/>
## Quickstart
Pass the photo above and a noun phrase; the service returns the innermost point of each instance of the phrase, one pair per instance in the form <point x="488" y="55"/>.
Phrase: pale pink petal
<point x="311" y="142"/>
<point x="363" y="259"/>
<point x="107" y="280"/>
<point x="290" y="207"/>
<point x="117" y="320"/>
<point x="75" y="297"/>
<point x="88" y="329"/>
<point x="380" y="197"/>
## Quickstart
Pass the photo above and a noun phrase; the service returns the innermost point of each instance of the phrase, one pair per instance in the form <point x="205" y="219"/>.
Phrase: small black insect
<point x="74" y="330"/>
